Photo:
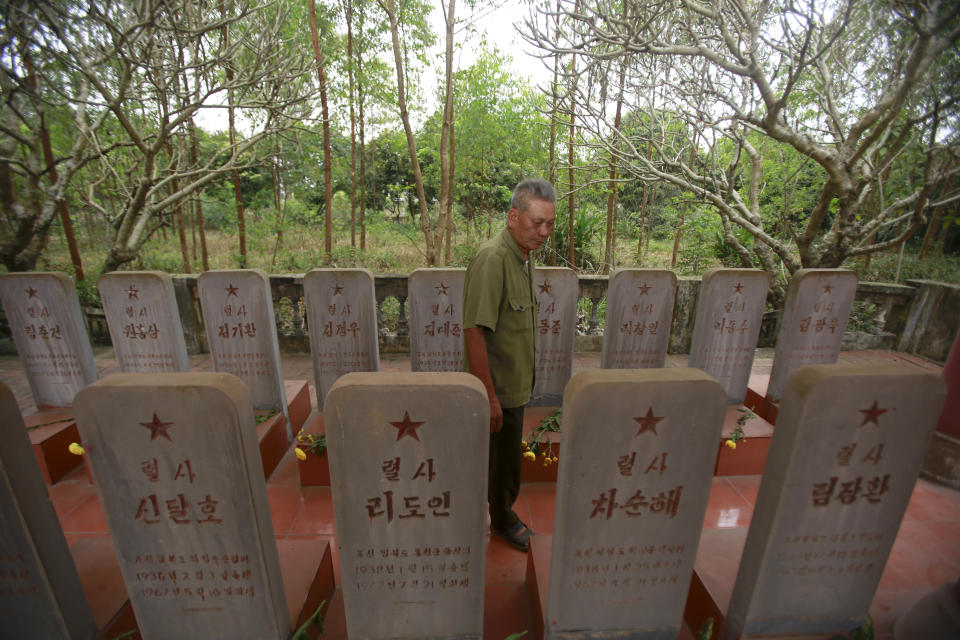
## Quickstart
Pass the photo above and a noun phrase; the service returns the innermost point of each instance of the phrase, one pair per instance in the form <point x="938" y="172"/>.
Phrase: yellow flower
<point x="75" y="449"/>
<point x="301" y="455"/>
<point x="731" y="444"/>
<point x="523" y="443"/>
<point x="530" y="455"/>
<point x="555" y="459"/>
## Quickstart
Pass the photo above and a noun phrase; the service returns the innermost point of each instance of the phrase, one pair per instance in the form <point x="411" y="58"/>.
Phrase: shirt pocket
<point x="517" y="312"/>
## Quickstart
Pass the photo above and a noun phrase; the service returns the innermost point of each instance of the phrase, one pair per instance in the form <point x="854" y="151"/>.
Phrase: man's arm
<point x="476" y="347"/>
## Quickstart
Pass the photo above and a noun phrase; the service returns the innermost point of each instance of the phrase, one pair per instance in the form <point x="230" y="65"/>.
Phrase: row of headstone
<point x="238" y="314"/>
<point x="634" y="478"/>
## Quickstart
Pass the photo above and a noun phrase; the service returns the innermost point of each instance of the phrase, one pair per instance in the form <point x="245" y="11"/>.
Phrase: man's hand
<point x="476" y="347"/>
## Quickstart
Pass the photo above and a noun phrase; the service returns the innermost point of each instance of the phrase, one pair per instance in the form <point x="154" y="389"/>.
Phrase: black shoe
<point x="517" y="537"/>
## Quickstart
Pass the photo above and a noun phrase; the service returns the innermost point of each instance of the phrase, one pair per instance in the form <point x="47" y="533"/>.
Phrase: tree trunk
<point x="446" y="133"/>
<point x="348" y="10"/>
<point x="609" y="249"/>
<point x="554" y="102"/>
<point x="327" y="161"/>
<point x="235" y="175"/>
<point x="198" y="201"/>
<point x="431" y="248"/>
<point x="363" y="146"/>
<point x="570" y="201"/>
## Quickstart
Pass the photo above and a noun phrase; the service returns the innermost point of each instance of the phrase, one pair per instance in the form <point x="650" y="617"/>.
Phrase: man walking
<point x="499" y="320"/>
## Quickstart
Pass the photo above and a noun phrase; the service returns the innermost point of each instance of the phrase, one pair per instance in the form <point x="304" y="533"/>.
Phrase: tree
<point x="848" y="85"/>
<point x="327" y="158"/>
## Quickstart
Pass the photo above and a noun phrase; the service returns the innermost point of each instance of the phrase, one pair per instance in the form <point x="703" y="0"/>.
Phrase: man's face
<point x="531" y="228"/>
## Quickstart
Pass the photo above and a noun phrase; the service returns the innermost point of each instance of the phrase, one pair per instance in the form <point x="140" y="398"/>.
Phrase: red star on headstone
<point x="828" y="288"/>
<point x="232" y="291"/>
<point x="133" y="293"/>
<point x="648" y="422"/>
<point x="407" y="427"/>
<point x="545" y="287"/>
<point x="337" y="289"/>
<point x="442" y="289"/>
<point x="157" y="428"/>
<point x="644" y="288"/>
<point x="738" y="288"/>
<point x="871" y="414"/>
<point x="31" y="292"/>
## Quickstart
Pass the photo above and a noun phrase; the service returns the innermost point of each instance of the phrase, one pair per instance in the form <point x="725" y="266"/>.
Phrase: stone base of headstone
<point x="750" y="456"/>
<point x="306" y="566"/>
<point x="315" y="470"/>
<point x="99" y="571"/>
<point x="538" y="583"/>
<point x="51" y="431"/>
<point x="941" y="464"/>
<point x="535" y="470"/>
<point x="756" y="399"/>
<point x="298" y="402"/>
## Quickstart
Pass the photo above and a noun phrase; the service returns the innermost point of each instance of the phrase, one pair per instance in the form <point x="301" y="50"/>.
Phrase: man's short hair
<point x="530" y="189"/>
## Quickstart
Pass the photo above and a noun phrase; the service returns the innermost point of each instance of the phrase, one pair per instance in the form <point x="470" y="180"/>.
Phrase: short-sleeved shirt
<point x="498" y="295"/>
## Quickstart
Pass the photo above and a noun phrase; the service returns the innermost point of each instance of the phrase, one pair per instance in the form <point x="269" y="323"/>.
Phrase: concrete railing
<point x="920" y="317"/>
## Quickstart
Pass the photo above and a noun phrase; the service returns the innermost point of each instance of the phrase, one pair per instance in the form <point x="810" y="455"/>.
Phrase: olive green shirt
<point x="498" y="295"/>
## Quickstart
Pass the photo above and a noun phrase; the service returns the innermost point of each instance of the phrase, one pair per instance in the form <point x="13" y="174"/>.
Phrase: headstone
<point x="408" y="460"/>
<point x="141" y="311"/>
<point x="242" y="331"/>
<point x="634" y="477"/>
<point x="40" y="592"/>
<point x="342" y="323"/>
<point x="175" y="460"/>
<point x="436" y="318"/>
<point x="729" y="313"/>
<point x="47" y="326"/>
<point x="639" y="313"/>
<point x="842" y="466"/>
<point x="556" y="289"/>
<point x="814" y="318"/>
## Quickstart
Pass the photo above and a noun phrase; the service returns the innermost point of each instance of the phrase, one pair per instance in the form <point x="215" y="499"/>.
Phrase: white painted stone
<point x="842" y="466"/>
<point x="814" y="318"/>
<point x="635" y="473"/>
<point x="342" y="324"/>
<point x="175" y="460"/>
<point x="242" y="332"/>
<point x="639" y="313"/>
<point x="729" y="314"/>
<point x="48" y="328"/>
<point x="40" y="592"/>
<point x="556" y="289"/>
<point x="408" y="464"/>
<point x="141" y="311"/>
<point x="435" y="297"/>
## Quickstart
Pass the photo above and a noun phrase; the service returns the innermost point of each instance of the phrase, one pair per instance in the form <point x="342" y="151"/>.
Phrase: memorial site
<point x="450" y="321"/>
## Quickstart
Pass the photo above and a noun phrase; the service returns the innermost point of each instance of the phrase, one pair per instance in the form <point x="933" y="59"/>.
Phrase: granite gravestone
<point x="730" y="309"/>
<point x="48" y="328"/>
<point x="811" y="327"/>
<point x="639" y="312"/>
<point x="175" y="460"/>
<point x="556" y="289"/>
<point x="842" y="466"/>
<point x="634" y="477"/>
<point x="342" y="323"/>
<point x="242" y="332"/>
<point x="436" y="318"/>
<point x="40" y="592"/>
<point x="408" y="460"/>
<point x="145" y="329"/>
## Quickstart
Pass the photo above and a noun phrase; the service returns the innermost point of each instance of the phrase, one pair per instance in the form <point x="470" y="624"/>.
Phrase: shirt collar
<point x="511" y="244"/>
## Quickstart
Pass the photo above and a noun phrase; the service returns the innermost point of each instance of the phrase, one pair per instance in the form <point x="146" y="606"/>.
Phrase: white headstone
<point x="556" y="289"/>
<point x="175" y="460"/>
<point x="436" y="319"/>
<point x="141" y="311"/>
<point x="842" y="466"/>
<point x="635" y="473"/>
<point x="730" y="309"/>
<point x="639" y="313"/>
<point x="342" y="323"/>
<point x="40" y="592"/>
<point x="409" y="502"/>
<point x="814" y="318"/>
<point x="47" y="326"/>
<point x="242" y="331"/>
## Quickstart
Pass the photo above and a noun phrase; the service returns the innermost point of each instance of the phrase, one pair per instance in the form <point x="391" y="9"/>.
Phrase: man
<point x="499" y="320"/>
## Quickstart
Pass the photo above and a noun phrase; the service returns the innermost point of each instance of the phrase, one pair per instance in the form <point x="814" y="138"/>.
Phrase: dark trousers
<point x="503" y="478"/>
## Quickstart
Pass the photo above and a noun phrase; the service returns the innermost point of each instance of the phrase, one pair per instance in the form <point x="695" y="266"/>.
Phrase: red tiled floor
<point x="539" y="499"/>
<point x="86" y="518"/>
<point x="505" y="565"/>
<point x="316" y="514"/>
<point x="505" y="610"/>
<point x="726" y="507"/>
<point x="747" y="486"/>
<point x="285" y="504"/>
